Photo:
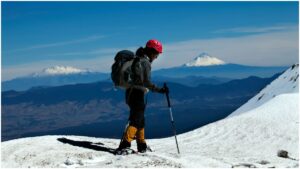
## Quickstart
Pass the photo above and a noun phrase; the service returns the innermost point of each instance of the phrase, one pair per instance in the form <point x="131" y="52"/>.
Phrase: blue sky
<point x="37" y="35"/>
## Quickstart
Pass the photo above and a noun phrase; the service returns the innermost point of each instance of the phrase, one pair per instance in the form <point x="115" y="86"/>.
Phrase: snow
<point x="60" y="70"/>
<point x="204" y="59"/>
<point x="288" y="82"/>
<point x="249" y="139"/>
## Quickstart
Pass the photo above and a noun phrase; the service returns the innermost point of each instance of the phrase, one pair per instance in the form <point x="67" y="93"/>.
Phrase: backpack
<point x="121" y="69"/>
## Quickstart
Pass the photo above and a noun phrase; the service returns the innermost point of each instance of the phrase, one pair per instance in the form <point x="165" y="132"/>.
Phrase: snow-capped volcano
<point x="54" y="76"/>
<point x="204" y="59"/>
<point x="60" y="70"/>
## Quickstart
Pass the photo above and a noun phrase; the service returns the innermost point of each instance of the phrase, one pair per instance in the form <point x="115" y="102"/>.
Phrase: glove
<point x="163" y="90"/>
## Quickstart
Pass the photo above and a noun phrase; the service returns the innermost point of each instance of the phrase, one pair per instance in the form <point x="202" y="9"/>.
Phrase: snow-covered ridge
<point x="288" y="82"/>
<point x="60" y="70"/>
<point x="204" y="59"/>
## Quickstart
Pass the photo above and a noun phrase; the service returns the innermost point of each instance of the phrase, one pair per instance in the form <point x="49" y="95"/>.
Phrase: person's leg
<point x="129" y="135"/>
<point x="140" y="139"/>
<point x="140" y="135"/>
<point x="137" y="108"/>
<point x="135" y="101"/>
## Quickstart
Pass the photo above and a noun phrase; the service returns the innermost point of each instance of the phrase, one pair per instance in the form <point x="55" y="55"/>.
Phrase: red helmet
<point x="155" y="44"/>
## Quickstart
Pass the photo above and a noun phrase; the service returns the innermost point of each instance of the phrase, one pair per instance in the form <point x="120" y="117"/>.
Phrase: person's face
<point x="153" y="56"/>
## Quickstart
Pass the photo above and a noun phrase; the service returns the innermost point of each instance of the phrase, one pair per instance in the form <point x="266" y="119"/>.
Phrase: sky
<point x="87" y="35"/>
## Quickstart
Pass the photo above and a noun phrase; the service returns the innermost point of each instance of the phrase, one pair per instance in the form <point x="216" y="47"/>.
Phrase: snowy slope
<point x="288" y="82"/>
<point x="249" y="139"/>
<point x="205" y="59"/>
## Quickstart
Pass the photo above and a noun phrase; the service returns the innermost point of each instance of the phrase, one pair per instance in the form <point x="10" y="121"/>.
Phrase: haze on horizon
<point x="87" y="35"/>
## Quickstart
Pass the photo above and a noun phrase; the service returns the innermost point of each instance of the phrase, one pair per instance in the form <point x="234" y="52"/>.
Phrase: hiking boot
<point x="142" y="148"/>
<point x="124" y="144"/>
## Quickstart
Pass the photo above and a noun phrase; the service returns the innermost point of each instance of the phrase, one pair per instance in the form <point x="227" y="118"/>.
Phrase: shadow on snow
<point x="87" y="144"/>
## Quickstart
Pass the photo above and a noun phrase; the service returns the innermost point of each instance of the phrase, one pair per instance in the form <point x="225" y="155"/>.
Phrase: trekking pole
<point x="172" y="120"/>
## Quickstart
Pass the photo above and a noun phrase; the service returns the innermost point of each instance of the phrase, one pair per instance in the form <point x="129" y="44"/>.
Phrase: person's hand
<point x="163" y="90"/>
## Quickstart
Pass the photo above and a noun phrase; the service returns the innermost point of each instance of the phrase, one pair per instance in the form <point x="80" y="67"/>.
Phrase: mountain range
<point x="204" y="69"/>
<point x="54" y="76"/>
<point x="208" y="66"/>
<point x="263" y="133"/>
<point x="92" y="108"/>
<point x="68" y="100"/>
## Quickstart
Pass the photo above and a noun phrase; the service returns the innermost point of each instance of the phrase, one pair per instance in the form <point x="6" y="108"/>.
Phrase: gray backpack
<point x="121" y="69"/>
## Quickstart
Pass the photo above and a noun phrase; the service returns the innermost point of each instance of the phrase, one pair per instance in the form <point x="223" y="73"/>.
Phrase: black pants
<point x="136" y="103"/>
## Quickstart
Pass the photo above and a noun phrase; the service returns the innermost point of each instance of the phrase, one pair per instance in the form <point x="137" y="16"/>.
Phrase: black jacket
<point x="141" y="71"/>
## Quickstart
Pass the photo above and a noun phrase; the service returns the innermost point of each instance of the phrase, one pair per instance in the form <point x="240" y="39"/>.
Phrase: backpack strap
<point x="134" y="70"/>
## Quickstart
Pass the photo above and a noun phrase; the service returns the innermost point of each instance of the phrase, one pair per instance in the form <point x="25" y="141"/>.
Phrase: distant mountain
<point x="191" y="81"/>
<point x="232" y="71"/>
<point x="204" y="69"/>
<point x="60" y="70"/>
<point x="204" y="59"/>
<point x="54" y="76"/>
<point x="89" y="109"/>
<point x="206" y="65"/>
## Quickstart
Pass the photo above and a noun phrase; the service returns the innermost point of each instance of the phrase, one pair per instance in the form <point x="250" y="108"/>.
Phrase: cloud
<point x="85" y="53"/>
<point x="258" y="29"/>
<point x="265" y="49"/>
<point x="63" y="43"/>
<point x="268" y="49"/>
